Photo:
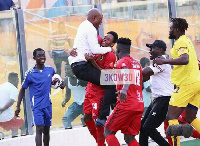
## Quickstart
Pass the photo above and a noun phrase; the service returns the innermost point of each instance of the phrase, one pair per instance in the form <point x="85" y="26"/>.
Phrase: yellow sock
<point x="178" y="140"/>
<point x="175" y="122"/>
<point x="196" y="124"/>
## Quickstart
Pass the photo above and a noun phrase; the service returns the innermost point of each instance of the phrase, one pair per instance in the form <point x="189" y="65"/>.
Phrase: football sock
<point x="112" y="140"/>
<point x="100" y="135"/>
<point x="166" y="124"/>
<point x="195" y="134"/>
<point x="175" y="122"/>
<point x="196" y="124"/>
<point x="92" y="128"/>
<point x="133" y="143"/>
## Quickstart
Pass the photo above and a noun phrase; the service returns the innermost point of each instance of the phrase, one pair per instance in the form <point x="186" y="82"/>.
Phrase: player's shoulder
<point x="110" y="55"/>
<point x="182" y="40"/>
<point x="29" y="71"/>
<point x="49" y="67"/>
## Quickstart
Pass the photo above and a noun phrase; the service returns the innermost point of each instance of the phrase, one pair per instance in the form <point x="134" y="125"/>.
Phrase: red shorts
<point x="14" y="124"/>
<point x="92" y="104"/>
<point x="182" y="118"/>
<point x="128" y="122"/>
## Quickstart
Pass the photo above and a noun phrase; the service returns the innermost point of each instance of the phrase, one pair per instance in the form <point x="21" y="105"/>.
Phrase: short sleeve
<point x="181" y="48"/>
<point x="157" y="68"/>
<point x="14" y="94"/>
<point x="26" y="81"/>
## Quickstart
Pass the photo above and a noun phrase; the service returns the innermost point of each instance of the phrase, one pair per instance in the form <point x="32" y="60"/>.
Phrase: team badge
<point x="123" y="64"/>
<point x="182" y="50"/>
<point x="101" y="58"/>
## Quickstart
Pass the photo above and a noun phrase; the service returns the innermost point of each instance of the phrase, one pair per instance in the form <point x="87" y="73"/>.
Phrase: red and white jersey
<point x="134" y="99"/>
<point x="105" y="61"/>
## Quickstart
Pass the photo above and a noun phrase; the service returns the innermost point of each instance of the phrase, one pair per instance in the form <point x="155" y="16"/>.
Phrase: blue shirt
<point x="146" y="94"/>
<point x="6" y="4"/>
<point x="39" y="83"/>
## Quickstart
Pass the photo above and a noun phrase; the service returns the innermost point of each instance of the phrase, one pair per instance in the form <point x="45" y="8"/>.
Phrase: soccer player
<point x="162" y="89"/>
<point x="130" y="106"/>
<point x="38" y="79"/>
<point x="86" y="42"/>
<point x="185" y="75"/>
<point x="94" y="94"/>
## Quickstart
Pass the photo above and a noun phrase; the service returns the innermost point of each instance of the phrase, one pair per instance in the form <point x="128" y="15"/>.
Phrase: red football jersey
<point x="105" y="61"/>
<point x="134" y="99"/>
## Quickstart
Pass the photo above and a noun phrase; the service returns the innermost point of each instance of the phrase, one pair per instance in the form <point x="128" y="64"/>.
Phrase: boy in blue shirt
<point x="38" y="79"/>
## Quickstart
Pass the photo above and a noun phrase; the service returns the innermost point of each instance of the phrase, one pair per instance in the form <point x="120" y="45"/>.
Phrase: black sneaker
<point x="68" y="128"/>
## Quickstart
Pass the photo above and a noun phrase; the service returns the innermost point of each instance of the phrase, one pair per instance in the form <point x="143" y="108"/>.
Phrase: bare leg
<point x="38" y="137"/>
<point x="46" y="137"/>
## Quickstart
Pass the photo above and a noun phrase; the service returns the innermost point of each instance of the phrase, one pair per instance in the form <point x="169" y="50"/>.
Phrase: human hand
<point x="63" y="104"/>
<point x="62" y="85"/>
<point x="159" y="60"/>
<point x="17" y="111"/>
<point x="73" y="52"/>
<point x="122" y="95"/>
<point x="89" y="57"/>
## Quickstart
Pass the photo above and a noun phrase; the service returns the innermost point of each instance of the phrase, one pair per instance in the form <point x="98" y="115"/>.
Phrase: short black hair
<point x="144" y="61"/>
<point x="124" y="41"/>
<point x="35" y="51"/>
<point x="12" y="76"/>
<point x="115" y="35"/>
<point x="179" y="23"/>
<point x="124" y="44"/>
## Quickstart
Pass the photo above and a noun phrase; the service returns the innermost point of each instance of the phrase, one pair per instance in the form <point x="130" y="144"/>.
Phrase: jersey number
<point x="137" y="77"/>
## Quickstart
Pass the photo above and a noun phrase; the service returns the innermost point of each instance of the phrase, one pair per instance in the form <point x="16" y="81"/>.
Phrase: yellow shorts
<point x="186" y="94"/>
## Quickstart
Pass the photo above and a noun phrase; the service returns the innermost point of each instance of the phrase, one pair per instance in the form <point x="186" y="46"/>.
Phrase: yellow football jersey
<point x="185" y="74"/>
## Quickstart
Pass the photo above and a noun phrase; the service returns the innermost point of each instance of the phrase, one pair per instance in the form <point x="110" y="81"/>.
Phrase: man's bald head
<point x="95" y="17"/>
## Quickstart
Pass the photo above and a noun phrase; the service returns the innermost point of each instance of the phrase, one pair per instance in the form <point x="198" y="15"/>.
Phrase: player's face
<point x="97" y="21"/>
<point x="40" y="57"/>
<point x="154" y="52"/>
<point x="172" y="31"/>
<point x="108" y="41"/>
